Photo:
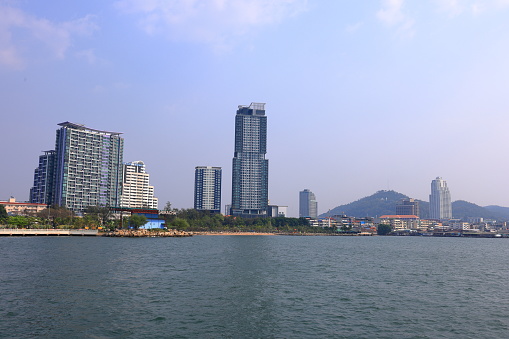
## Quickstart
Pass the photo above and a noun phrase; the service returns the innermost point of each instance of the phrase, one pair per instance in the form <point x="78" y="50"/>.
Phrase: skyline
<point x="360" y="97"/>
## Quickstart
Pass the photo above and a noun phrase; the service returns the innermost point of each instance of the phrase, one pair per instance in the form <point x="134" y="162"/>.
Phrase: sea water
<point x="254" y="287"/>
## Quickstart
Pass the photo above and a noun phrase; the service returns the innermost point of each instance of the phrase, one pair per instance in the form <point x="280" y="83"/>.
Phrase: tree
<point x="3" y="213"/>
<point x="55" y="211"/>
<point x="383" y="229"/>
<point x="180" y="224"/>
<point x="18" y="220"/>
<point x="137" y="220"/>
<point x="102" y="213"/>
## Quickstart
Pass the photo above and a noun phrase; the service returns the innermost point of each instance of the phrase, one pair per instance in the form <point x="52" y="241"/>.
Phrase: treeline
<point x="193" y="220"/>
<point x="60" y="217"/>
<point x="184" y="219"/>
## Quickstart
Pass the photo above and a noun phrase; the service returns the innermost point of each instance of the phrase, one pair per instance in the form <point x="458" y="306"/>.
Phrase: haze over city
<point x="360" y="96"/>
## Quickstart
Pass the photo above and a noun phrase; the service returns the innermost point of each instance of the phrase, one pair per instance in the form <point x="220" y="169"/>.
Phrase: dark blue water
<point x="254" y="287"/>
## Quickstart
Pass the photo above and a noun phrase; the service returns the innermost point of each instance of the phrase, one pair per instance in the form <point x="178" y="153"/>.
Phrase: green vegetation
<point x="3" y="213"/>
<point x="97" y="217"/>
<point x="383" y="229"/>
<point x="137" y="220"/>
<point x="193" y="220"/>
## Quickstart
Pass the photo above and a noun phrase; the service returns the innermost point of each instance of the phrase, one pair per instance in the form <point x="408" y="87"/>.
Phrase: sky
<point x="360" y="96"/>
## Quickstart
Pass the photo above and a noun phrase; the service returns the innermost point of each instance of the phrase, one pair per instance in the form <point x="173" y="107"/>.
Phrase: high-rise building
<point x="250" y="177"/>
<point x="44" y="177"/>
<point x="207" y="188"/>
<point x="87" y="168"/>
<point x="440" y="206"/>
<point x="408" y="206"/>
<point x="308" y="206"/>
<point x="136" y="189"/>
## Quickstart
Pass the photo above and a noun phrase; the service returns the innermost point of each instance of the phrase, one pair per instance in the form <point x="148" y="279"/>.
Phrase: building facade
<point x="207" y="188"/>
<point x="136" y="189"/>
<point x="44" y="179"/>
<point x="87" y="168"/>
<point x="440" y="207"/>
<point x="13" y="207"/>
<point x="250" y="177"/>
<point x="408" y="206"/>
<point x="308" y="206"/>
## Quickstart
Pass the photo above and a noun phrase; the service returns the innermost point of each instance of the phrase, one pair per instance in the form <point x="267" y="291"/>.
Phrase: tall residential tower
<point x="85" y="169"/>
<point x="207" y="189"/>
<point x="250" y="177"/>
<point x="440" y="207"/>
<point x="308" y="206"/>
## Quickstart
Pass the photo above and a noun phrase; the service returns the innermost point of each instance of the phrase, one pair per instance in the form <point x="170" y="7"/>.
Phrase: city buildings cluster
<point x="86" y="169"/>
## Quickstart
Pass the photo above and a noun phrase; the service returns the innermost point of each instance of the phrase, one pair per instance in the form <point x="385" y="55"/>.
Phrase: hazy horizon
<point x="360" y="96"/>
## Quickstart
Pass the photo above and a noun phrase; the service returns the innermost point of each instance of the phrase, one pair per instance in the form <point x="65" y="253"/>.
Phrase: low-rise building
<point x="400" y="222"/>
<point x="13" y="207"/>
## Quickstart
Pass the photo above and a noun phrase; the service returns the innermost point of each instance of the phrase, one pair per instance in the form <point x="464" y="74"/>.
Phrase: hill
<point x="384" y="202"/>
<point x="502" y="212"/>
<point x="463" y="210"/>
<point x="380" y="203"/>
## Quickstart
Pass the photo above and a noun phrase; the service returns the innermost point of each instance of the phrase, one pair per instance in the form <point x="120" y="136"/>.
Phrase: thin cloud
<point x="354" y="27"/>
<point x="453" y="7"/>
<point x="474" y="7"/>
<point x="391" y="14"/>
<point x="215" y="22"/>
<point x="54" y="37"/>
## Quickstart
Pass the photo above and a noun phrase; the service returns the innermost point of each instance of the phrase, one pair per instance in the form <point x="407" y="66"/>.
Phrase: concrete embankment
<point x="280" y="233"/>
<point x="24" y="232"/>
<point x="146" y="233"/>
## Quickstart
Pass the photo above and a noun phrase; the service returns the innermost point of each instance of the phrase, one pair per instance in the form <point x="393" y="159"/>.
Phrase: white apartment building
<point x="136" y="189"/>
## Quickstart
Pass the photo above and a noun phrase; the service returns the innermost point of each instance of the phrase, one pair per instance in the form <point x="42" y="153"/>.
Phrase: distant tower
<point x="408" y="206"/>
<point x="440" y="200"/>
<point x="308" y="206"/>
<point x="250" y="177"/>
<point x="207" y="189"/>
<point x="136" y="189"/>
<point x="44" y="178"/>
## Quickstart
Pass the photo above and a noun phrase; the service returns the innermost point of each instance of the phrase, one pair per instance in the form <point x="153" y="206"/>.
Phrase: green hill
<point x="380" y="203"/>
<point x="463" y="210"/>
<point x="384" y="202"/>
<point x="502" y="212"/>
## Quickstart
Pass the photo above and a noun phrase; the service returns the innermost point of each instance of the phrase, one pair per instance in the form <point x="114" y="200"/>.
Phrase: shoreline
<point x="274" y="233"/>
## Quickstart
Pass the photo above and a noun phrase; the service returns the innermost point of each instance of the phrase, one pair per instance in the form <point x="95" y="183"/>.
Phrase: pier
<point x="6" y="232"/>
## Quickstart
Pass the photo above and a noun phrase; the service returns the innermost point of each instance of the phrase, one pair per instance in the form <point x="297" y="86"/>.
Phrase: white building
<point x="136" y="189"/>
<point x="440" y="207"/>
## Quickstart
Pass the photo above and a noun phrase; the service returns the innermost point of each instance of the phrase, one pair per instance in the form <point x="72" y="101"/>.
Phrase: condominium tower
<point x="440" y="206"/>
<point x="136" y="189"/>
<point x="207" y="189"/>
<point x="85" y="169"/>
<point x="308" y="206"/>
<point x="250" y="168"/>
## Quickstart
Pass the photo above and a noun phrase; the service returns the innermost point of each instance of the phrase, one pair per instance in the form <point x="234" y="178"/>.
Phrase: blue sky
<point x="361" y="95"/>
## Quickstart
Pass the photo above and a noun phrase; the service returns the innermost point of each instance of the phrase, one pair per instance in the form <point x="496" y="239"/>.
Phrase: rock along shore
<point x="146" y="233"/>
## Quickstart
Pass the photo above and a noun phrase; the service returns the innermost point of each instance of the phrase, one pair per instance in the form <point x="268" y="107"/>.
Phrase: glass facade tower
<point x="44" y="175"/>
<point x="308" y="206"/>
<point x="440" y="207"/>
<point x="250" y="177"/>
